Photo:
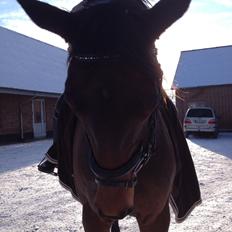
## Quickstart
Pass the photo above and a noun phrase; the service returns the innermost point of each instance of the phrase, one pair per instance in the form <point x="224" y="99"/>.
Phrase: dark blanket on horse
<point x="185" y="193"/>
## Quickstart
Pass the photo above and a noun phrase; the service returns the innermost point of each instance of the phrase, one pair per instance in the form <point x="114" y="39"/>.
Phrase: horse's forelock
<point x="114" y="26"/>
<point x="135" y="48"/>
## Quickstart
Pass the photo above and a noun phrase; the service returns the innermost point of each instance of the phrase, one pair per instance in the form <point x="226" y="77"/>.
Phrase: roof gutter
<point x="28" y="92"/>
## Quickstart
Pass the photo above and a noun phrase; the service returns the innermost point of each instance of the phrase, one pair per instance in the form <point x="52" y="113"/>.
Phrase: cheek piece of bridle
<point x="112" y="177"/>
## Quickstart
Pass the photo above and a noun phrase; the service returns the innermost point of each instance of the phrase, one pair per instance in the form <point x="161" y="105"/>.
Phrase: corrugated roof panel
<point x="204" y="67"/>
<point x="29" y="64"/>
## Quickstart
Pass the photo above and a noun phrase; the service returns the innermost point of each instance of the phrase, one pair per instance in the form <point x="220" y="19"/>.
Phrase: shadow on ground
<point x="16" y="156"/>
<point x="222" y="145"/>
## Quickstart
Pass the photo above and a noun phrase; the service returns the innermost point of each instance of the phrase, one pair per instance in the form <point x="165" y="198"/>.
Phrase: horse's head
<point x="114" y="84"/>
<point x="114" y="102"/>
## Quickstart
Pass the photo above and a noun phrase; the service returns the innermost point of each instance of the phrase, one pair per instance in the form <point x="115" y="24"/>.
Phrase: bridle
<point x="95" y="59"/>
<point x="111" y="177"/>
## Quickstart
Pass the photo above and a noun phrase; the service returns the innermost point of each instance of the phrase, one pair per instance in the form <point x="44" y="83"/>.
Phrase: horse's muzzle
<point x="116" y="217"/>
<point x="114" y="202"/>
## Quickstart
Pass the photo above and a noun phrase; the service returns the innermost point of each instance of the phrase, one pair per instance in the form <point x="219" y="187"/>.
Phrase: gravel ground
<point x="31" y="201"/>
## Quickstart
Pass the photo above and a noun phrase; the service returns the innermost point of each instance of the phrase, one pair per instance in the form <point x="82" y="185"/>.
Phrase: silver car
<point x="200" y="119"/>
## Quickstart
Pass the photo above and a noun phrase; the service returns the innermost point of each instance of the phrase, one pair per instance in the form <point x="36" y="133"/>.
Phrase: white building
<point x="205" y="76"/>
<point x="32" y="76"/>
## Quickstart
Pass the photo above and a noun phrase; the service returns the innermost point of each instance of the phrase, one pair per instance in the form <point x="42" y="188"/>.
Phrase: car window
<point x="206" y="113"/>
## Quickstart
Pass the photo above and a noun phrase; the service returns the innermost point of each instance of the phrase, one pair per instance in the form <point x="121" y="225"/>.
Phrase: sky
<point x="207" y="23"/>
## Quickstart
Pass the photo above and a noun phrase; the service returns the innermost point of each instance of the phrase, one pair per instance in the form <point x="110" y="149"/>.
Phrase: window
<point x="198" y="113"/>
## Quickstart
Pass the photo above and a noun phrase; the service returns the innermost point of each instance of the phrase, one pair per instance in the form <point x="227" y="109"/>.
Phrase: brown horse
<point x="124" y="159"/>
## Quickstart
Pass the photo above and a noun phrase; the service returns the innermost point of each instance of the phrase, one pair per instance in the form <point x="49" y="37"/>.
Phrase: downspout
<point x="21" y="117"/>
<point x="21" y="123"/>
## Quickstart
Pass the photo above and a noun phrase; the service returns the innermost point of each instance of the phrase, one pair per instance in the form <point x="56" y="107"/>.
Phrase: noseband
<point x="110" y="177"/>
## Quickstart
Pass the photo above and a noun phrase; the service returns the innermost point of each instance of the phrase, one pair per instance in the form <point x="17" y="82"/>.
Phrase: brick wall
<point x="50" y="104"/>
<point x="217" y="97"/>
<point x="12" y="107"/>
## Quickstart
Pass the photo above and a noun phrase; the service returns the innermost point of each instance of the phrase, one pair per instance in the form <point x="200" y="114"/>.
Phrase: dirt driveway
<point x="32" y="201"/>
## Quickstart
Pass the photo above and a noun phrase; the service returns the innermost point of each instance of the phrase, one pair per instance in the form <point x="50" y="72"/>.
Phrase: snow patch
<point x="32" y="201"/>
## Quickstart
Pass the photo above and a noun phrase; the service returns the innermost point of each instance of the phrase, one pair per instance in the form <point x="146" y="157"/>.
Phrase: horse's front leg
<point x="92" y="222"/>
<point x="158" y="224"/>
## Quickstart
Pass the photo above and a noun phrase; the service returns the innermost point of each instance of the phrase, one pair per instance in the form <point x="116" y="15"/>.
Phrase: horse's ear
<point x="47" y="17"/>
<point x="163" y="14"/>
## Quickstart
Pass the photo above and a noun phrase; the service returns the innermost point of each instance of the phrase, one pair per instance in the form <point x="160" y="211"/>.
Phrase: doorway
<point x="38" y="112"/>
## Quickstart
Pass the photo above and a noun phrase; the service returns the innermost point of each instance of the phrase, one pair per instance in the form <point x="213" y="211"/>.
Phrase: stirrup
<point x="47" y="167"/>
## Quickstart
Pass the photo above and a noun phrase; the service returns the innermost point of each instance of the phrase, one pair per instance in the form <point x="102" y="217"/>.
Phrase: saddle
<point x="185" y="194"/>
